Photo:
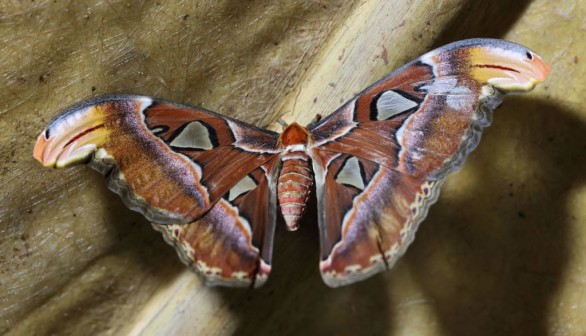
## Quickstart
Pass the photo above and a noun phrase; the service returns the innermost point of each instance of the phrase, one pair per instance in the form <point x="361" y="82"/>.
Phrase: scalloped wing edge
<point x="387" y="259"/>
<point x="211" y="275"/>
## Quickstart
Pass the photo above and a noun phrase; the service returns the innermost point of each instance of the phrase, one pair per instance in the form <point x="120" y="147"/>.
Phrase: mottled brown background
<point x="502" y="253"/>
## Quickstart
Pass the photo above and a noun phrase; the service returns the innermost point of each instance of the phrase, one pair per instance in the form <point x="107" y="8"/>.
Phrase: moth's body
<point x="296" y="177"/>
<point x="212" y="184"/>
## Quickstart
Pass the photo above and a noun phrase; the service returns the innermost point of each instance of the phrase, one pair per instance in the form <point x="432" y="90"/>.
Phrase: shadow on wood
<point x="503" y="246"/>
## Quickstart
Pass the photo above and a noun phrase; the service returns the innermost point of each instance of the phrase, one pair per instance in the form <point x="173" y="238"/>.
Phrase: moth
<point x="212" y="184"/>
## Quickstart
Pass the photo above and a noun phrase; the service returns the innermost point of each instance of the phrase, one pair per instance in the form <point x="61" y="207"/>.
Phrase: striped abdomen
<point x="293" y="188"/>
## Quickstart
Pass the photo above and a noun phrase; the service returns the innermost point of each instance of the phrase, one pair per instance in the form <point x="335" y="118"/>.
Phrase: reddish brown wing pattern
<point x="170" y="162"/>
<point x="380" y="159"/>
<point x="232" y="243"/>
<point x="224" y="149"/>
<point x="173" y="163"/>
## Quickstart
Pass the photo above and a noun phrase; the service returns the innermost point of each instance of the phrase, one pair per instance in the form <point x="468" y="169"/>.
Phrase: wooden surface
<point x="502" y="253"/>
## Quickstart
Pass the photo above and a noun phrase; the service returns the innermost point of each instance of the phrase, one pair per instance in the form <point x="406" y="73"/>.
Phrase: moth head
<point x="507" y="66"/>
<point x="71" y="138"/>
<point x="294" y="134"/>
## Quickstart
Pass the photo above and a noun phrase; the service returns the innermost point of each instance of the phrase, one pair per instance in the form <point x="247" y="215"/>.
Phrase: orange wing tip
<point x="514" y="69"/>
<point x="40" y="149"/>
<point x="71" y="138"/>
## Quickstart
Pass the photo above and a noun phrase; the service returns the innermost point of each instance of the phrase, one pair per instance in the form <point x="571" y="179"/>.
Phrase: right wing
<point x="379" y="160"/>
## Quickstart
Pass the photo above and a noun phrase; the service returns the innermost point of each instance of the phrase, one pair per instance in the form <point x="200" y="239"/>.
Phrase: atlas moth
<point x="212" y="184"/>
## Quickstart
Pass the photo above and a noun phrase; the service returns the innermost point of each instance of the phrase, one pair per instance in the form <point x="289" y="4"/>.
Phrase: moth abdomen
<point x="294" y="184"/>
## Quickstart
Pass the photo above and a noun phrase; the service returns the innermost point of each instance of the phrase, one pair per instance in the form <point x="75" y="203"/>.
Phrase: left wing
<point x="179" y="164"/>
<point x="380" y="158"/>
<point x="168" y="161"/>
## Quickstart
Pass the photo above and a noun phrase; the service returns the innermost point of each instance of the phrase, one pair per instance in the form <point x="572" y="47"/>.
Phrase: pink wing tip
<point x="541" y="68"/>
<point x="262" y="274"/>
<point x="39" y="152"/>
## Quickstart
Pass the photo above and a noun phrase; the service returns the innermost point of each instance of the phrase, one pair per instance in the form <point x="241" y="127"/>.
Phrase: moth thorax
<point x="293" y="187"/>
